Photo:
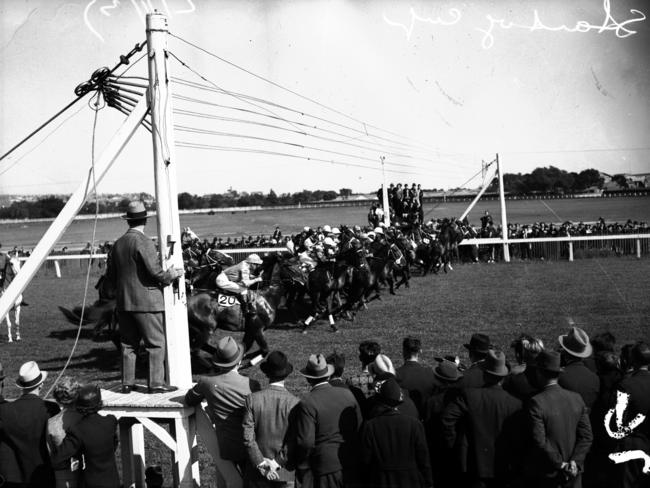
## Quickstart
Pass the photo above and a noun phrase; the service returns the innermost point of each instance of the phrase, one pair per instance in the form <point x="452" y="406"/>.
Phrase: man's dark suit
<point x="637" y="385"/>
<point x="266" y="423"/>
<point x="577" y="377"/>
<point x="327" y="427"/>
<point x="95" y="437"/>
<point x="561" y="433"/>
<point x="135" y="271"/>
<point x="419" y="381"/>
<point x="23" y="438"/>
<point x="394" y="451"/>
<point x="494" y="425"/>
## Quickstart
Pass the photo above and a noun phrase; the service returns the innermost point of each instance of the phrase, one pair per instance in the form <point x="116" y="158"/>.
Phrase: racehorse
<point x="323" y="284"/>
<point x="208" y="311"/>
<point x="7" y="274"/>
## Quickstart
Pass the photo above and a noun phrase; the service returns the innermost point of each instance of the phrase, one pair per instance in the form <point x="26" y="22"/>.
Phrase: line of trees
<point x="541" y="180"/>
<point x="552" y="180"/>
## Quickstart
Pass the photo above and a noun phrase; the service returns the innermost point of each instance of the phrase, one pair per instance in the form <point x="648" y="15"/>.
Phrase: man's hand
<point x="177" y="272"/>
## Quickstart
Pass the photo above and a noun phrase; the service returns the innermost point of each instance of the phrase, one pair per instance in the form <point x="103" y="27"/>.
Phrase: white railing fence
<point x="549" y="248"/>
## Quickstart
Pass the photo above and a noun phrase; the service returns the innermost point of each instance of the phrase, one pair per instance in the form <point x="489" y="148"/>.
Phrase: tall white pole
<point x="504" y="217"/>
<point x="384" y="193"/>
<point x="179" y="369"/>
<point x="72" y="207"/>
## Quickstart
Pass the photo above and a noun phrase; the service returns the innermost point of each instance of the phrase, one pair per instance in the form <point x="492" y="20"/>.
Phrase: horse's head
<point x="215" y="257"/>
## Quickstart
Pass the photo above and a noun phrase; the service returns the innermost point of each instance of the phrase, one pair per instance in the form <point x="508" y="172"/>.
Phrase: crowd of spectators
<point x="404" y="203"/>
<point x="536" y="422"/>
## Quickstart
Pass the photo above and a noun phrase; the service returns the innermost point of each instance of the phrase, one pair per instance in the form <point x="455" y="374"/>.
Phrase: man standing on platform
<point x="135" y="271"/>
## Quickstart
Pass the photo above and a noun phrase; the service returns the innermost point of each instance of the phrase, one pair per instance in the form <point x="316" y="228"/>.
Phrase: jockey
<point x="237" y="279"/>
<point x="326" y="251"/>
<point x="3" y="264"/>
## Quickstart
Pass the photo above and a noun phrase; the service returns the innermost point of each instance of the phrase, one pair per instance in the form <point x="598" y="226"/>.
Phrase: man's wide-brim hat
<point x="30" y="376"/>
<point x="495" y="364"/>
<point x="576" y="343"/>
<point x="276" y="365"/>
<point x="447" y="371"/>
<point x="548" y="361"/>
<point x="317" y="368"/>
<point x="135" y="210"/>
<point x="479" y="343"/>
<point x="228" y="352"/>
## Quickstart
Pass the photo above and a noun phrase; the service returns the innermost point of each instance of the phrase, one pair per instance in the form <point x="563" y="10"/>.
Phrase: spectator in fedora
<point x="380" y="370"/>
<point x="327" y="426"/>
<point x="526" y="349"/>
<point x="493" y="420"/>
<point x="478" y="347"/>
<point x="561" y="432"/>
<point x="266" y="423"/>
<point x="393" y="445"/>
<point x="94" y="438"/>
<point x="637" y="386"/>
<point x="417" y="378"/>
<point x="444" y="461"/>
<point x="65" y="393"/>
<point x="226" y="394"/>
<point x="576" y="376"/>
<point x="134" y="270"/>
<point x="23" y="425"/>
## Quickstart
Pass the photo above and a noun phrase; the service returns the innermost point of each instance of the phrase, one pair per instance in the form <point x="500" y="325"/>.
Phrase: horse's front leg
<point x="330" y="316"/>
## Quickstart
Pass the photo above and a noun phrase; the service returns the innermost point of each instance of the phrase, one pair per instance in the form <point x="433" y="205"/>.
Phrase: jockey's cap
<point x="328" y="241"/>
<point x="253" y="259"/>
<point x="336" y="230"/>
<point x="379" y="230"/>
<point x="327" y="228"/>
<point x="371" y="235"/>
<point x="306" y="228"/>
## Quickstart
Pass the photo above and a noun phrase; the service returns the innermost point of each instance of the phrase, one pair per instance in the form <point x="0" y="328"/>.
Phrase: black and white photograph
<point x="325" y="243"/>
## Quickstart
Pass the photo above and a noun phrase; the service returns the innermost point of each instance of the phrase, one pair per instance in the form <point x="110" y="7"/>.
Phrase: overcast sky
<point x="435" y="87"/>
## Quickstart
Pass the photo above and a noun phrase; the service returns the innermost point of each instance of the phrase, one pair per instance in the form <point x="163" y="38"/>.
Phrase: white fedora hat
<point x="30" y="376"/>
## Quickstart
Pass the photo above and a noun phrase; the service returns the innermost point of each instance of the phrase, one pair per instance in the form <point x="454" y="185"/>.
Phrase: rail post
<point x="504" y="217"/>
<point x="638" y="248"/>
<point x="571" y="251"/>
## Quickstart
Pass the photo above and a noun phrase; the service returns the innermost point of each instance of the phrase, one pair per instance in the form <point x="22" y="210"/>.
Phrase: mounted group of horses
<point x="334" y="289"/>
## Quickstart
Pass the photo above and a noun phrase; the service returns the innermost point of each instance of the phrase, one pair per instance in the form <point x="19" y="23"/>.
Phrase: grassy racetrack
<point x="501" y="300"/>
<point x="290" y="221"/>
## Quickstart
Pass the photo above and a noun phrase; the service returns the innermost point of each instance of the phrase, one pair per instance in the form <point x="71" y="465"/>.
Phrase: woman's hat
<point x="447" y="371"/>
<point x="89" y="400"/>
<point x="30" y="376"/>
<point x="317" y="368"/>
<point x="276" y="365"/>
<point x="549" y="361"/>
<point x="390" y="393"/>
<point x="576" y="343"/>
<point x="228" y="352"/>
<point x="381" y="365"/>
<point x="135" y="210"/>
<point x="495" y="363"/>
<point x="479" y="343"/>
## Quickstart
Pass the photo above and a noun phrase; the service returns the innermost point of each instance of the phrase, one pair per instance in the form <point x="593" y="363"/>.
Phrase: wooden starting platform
<point x="137" y="411"/>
